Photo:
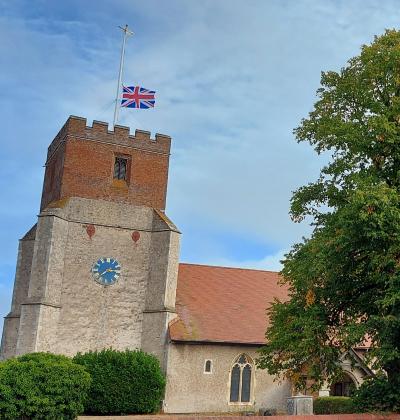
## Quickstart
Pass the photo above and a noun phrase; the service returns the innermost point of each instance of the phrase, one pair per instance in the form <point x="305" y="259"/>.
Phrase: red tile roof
<point x="223" y="305"/>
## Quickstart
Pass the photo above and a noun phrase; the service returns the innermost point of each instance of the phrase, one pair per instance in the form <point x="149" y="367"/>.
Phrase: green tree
<point x="344" y="281"/>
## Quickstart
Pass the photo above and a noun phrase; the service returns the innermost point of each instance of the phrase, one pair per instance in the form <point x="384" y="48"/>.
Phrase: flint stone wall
<point x="65" y="311"/>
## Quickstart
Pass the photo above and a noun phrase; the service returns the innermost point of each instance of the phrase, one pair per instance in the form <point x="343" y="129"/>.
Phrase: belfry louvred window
<point x="241" y="380"/>
<point x="120" y="168"/>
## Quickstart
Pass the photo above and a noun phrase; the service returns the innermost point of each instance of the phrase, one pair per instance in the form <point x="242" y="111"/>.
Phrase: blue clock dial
<point x="106" y="271"/>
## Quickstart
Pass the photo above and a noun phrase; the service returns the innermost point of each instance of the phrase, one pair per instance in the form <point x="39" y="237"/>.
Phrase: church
<point x="101" y="269"/>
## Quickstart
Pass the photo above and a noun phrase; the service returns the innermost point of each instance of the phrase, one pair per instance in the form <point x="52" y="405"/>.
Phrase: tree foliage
<point x="377" y="394"/>
<point x="344" y="280"/>
<point x="42" y="386"/>
<point x="124" y="382"/>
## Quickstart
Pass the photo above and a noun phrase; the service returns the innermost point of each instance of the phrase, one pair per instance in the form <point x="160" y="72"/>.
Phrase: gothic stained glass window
<point x="246" y="378"/>
<point x="240" y="391"/>
<point x="120" y="168"/>
<point x="235" y="383"/>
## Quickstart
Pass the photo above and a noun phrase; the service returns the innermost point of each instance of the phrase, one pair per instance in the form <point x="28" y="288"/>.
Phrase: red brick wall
<point x="80" y="163"/>
<point x="283" y="417"/>
<point x="52" y="177"/>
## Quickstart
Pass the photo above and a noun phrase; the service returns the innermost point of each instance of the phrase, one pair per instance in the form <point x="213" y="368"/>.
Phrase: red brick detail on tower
<point x="80" y="163"/>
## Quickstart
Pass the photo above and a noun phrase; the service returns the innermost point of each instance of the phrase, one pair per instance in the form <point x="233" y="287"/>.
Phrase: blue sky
<point x="233" y="78"/>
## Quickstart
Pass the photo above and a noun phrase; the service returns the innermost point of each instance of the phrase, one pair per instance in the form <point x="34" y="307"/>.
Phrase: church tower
<point x="99" y="269"/>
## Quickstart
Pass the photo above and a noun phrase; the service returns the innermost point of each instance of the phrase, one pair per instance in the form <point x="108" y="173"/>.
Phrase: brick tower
<point x="99" y="269"/>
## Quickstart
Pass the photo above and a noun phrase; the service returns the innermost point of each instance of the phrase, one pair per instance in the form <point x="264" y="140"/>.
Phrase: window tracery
<point x="241" y="379"/>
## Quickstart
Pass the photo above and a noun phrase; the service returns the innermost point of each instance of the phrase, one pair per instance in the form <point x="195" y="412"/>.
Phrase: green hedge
<point x="126" y="382"/>
<point x="334" y="405"/>
<point x="42" y="386"/>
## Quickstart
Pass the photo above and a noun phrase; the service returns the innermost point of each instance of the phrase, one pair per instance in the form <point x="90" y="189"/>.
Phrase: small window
<point x="208" y="366"/>
<point x="120" y="168"/>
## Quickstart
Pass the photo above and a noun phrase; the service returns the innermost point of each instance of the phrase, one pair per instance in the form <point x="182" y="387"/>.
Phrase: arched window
<point x="241" y="372"/>
<point x="208" y="366"/>
<point x="120" y="168"/>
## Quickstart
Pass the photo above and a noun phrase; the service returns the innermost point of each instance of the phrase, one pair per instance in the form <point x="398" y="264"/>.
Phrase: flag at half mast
<point x="137" y="97"/>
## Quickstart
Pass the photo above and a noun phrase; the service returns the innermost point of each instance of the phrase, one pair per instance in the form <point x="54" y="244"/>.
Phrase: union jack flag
<point x="137" y="97"/>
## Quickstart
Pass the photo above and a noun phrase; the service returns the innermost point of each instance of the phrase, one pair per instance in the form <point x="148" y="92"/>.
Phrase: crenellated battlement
<point x="76" y="128"/>
<point x="81" y="162"/>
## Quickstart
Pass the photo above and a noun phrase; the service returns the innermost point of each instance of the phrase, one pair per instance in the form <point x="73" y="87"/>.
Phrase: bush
<point x="334" y="405"/>
<point x="126" y="382"/>
<point x="377" y="394"/>
<point x="42" y="386"/>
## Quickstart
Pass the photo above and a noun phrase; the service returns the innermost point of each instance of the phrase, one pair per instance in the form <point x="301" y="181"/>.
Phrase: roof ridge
<point x="230" y="268"/>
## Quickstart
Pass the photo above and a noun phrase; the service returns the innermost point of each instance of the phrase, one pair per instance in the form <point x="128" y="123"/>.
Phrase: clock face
<point x="106" y="271"/>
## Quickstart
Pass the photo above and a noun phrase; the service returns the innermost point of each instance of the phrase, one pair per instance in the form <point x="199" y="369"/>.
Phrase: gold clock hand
<point x="108" y="270"/>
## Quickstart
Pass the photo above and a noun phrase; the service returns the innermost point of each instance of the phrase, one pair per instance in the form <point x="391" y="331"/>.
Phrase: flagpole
<point x="127" y="33"/>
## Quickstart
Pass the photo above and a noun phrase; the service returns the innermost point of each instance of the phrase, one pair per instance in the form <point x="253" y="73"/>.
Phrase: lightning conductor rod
<point x="127" y="33"/>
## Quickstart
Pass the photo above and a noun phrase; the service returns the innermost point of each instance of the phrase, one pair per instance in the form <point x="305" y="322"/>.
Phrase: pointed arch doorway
<point x="343" y="388"/>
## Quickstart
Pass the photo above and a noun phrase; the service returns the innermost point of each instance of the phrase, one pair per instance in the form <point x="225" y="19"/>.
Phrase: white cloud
<point x="233" y="79"/>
